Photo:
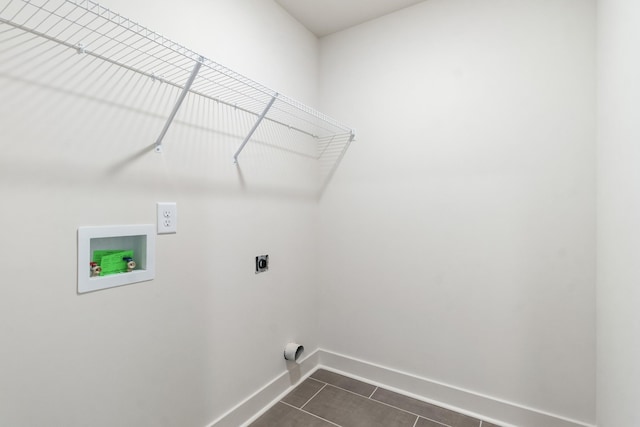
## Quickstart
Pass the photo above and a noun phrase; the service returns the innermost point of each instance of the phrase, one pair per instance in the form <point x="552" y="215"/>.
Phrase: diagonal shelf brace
<point x="253" y="129"/>
<point x="183" y="95"/>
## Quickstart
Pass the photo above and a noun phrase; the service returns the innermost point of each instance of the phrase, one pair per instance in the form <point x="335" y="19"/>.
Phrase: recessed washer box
<point x="141" y="239"/>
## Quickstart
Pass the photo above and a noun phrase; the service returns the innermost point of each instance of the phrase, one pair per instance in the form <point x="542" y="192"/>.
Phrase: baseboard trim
<point x="490" y="409"/>
<point x="255" y="405"/>
<point x="474" y="404"/>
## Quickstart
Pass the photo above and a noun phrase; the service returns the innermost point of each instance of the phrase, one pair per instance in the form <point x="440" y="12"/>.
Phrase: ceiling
<point x="323" y="17"/>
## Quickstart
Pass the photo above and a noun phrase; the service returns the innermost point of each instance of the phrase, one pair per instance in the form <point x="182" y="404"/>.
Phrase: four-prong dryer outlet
<point x="262" y="263"/>
<point x="167" y="218"/>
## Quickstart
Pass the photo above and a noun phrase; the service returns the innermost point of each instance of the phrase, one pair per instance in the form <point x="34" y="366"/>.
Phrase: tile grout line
<point x="305" y="403"/>
<point x="325" y="384"/>
<point x="315" y="380"/>
<point x="386" y="404"/>
<point x="312" y="414"/>
<point x="412" y="413"/>
<point x="348" y="391"/>
<point x="373" y="392"/>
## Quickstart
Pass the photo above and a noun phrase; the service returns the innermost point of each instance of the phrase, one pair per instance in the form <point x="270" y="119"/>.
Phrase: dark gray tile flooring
<point x="327" y="399"/>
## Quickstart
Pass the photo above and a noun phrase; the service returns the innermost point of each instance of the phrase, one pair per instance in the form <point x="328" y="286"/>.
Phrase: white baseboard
<point x="256" y="404"/>
<point x="474" y="404"/>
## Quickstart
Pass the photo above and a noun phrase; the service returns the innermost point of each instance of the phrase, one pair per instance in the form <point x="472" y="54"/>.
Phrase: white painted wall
<point x="458" y="236"/>
<point x="618" y="213"/>
<point x="207" y="332"/>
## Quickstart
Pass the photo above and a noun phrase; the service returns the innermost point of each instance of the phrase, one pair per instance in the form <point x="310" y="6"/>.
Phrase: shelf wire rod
<point x="320" y="116"/>
<point x="130" y="26"/>
<point x="235" y="97"/>
<point x="34" y="13"/>
<point x="124" y="37"/>
<point x="233" y="94"/>
<point x="305" y="120"/>
<point x="64" y="75"/>
<point x="324" y="149"/>
<point x="61" y="20"/>
<point x="281" y="123"/>
<point x="144" y="32"/>
<point x="111" y="61"/>
<point x="28" y="19"/>
<point x="253" y="129"/>
<point x="333" y="169"/>
<point x="226" y="73"/>
<point x="158" y="71"/>
<point x="96" y="56"/>
<point x="134" y="60"/>
<point x="108" y="37"/>
<point x="238" y="89"/>
<point x="311" y="120"/>
<point x="231" y="86"/>
<point x="220" y="69"/>
<point x="176" y="107"/>
<point x="150" y="57"/>
<point x="167" y="63"/>
<point x="306" y="114"/>
<point x="110" y="43"/>
<point x="150" y="48"/>
<point x="62" y="52"/>
<point x="251" y="112"/>
<point x="173" y="73"/>
<point x="335" y="144"/>
<point x="113" y="41"/>
<point x="161" y="64"/>
<point x="36" y="33"/>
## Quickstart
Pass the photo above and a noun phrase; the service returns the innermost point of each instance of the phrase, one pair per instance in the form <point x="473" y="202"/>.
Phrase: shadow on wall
<point x="99" y="121"/>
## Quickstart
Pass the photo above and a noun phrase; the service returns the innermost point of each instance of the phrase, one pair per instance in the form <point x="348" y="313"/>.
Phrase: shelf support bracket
<point x="253" y="129"/>
<point x="176" y="107"/>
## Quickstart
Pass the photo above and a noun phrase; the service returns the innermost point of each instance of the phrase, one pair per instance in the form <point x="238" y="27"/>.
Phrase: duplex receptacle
<point x="167" y="218"/>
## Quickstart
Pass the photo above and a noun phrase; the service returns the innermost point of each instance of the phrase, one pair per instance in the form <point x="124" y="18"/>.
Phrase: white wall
<point x="458" y="236"/>
<point x="460" y="228"/>
<point x="618" y="213"/>
<point x="207" y="332"/>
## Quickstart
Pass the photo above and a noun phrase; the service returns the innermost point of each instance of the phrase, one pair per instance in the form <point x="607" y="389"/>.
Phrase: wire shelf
<point x="91" y="29"/>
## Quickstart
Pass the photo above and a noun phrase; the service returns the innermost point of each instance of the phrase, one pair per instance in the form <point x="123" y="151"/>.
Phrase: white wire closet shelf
<point x="87" y="28"/>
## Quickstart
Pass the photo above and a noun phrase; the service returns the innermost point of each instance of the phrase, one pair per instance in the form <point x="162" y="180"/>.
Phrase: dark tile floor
<point x="327" y="399"/>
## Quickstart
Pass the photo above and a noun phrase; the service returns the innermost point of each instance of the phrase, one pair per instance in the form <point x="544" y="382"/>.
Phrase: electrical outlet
<point x="262" y="263"/>
<point x="167" y="218"/>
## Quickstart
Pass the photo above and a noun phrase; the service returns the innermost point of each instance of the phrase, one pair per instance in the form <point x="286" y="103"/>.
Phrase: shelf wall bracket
<point x="176" y="107"/>
<point x="253" y="129"/>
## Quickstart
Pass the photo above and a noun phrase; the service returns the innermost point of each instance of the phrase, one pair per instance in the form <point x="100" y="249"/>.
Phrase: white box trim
<point x="147" y="272"/>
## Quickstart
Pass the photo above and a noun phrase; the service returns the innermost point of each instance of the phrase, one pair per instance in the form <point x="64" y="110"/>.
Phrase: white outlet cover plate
<point x="167" y="218"/>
